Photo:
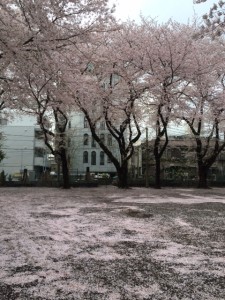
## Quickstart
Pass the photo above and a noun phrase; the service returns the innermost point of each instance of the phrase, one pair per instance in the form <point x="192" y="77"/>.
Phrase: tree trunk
<point x="65" y="169"/>
<point x="122" y="173"/>
<point x="202" y="176"/>
<point x="157" y="163"/>
<point x="157" y="172"/>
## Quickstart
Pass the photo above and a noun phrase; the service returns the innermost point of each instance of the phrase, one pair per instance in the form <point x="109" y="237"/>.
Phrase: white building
<point x="85" y="152"/>
<point x="23" y="146"/>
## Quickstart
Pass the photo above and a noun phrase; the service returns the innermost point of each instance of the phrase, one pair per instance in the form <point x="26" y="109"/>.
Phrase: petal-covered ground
<point x="106" y="243"/>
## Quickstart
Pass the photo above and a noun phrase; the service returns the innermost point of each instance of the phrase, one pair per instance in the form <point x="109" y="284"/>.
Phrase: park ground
<point x="111" y="244"/>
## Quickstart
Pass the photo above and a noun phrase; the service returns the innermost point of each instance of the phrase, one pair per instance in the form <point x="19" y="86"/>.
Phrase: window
<point x="85" y="122"/>
<point x="93" y="142"/>
<point x="102" y="158"/>
<point x="102" y="125"/>
<point x="109" y="140"/>
<point x="102" y="137"/>
<point x="86" y="139"/>
<point x="69" y="124"/>
<point x="93" y="158"/>
<point x="85" y="157"/>
<point x="109" y="160"/>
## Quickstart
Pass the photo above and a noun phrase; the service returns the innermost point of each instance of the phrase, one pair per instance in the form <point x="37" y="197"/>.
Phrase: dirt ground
<point x="111" y="244"/>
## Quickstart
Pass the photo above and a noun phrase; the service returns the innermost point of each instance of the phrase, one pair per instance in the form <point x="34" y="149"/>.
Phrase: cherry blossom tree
<point x="214" y="20"/>
<point x="140" y="62"/>
<point x="107" y="89"/>
<point x="176" y="63"/>
<point x="36" y="90"/>
<point x="34" y="37"/>
<point x="31" y="26"/>
<point x="202" y="105"/>
<point x="52" y="24"/>
<point x="166" y="49"/>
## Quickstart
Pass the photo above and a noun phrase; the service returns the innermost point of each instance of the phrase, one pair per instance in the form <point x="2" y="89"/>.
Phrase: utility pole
<point x="146" y="163"/>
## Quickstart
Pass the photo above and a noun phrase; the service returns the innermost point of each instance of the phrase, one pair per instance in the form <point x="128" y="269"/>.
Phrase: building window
<point x="102" y="125"/>
<point x="39" y="152"/>
<point x="93" y="142"/>
<point x="102" y="138"/>
<point x="93" y="158"/>
<point x="85" y="157"/>
<point x="102" y="158"/>
<point x="85" y="122"/>
<point x="69" y="124"/>
<point x="109" y="140"/>
<point x="109" y="160"/>
<point x="86" y="139"/>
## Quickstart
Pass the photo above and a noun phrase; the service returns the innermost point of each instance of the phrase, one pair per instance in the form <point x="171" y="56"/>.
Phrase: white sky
<point x="162" y="10"/>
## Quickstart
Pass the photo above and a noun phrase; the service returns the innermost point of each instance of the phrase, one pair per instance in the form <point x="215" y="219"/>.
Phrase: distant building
<point x="84" y="151"/>
<point x="179" y="160"/>
<point x="23" y="145"/>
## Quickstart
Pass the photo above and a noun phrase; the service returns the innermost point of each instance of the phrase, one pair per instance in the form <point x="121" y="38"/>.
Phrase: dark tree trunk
<point x="122" y="173"/>
<point x="157" y="163"/>
<point x="157" y="172"/>
<point x="65" y="169"/>
<point x="202" y="176"/>
<point x="60" y="153"/>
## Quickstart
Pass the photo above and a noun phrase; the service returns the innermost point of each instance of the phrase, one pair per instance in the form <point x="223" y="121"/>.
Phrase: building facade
<point x="179" y="161"/>
<point x="84" y="151"/>
<point x="24" y="148"/>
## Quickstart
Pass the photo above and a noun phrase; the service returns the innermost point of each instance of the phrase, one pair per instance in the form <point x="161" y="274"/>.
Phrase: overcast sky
<point x="162" y="10"/>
